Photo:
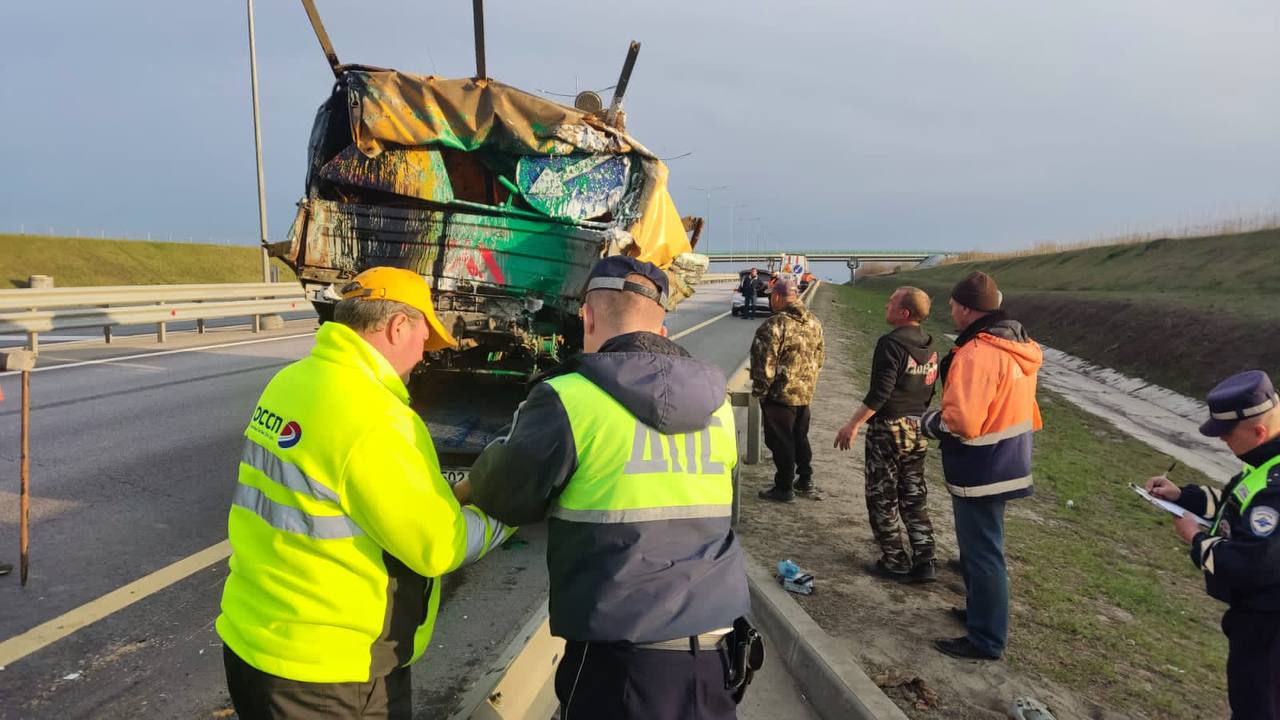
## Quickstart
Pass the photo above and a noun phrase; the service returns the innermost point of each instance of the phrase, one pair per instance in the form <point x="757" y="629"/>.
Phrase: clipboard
<point x="1171" y="508"/>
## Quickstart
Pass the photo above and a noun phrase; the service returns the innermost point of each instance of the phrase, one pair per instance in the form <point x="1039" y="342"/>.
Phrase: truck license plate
<point x="453" y="476"/>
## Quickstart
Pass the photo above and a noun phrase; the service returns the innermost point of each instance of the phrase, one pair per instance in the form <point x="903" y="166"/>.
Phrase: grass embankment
<point x="77" y="262"/>
<point x="1105" y="599"/>
<point x="1182" y="312"/>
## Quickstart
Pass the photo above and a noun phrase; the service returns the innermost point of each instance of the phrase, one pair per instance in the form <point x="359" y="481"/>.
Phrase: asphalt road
<point x="133" y="464"/>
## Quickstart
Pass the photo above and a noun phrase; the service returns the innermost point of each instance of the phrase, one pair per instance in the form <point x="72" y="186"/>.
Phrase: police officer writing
<point x="628" y="448"/>
<point x="1240" y="552"/>
<point x="341" y="522"/>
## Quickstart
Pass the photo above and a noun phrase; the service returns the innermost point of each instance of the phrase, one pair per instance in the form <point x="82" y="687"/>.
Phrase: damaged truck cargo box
<point x="503" y="200"/>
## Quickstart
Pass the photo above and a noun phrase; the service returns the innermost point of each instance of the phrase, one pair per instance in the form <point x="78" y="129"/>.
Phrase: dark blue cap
<point x="611" y="273"/>
<point x="1241" y="396"/>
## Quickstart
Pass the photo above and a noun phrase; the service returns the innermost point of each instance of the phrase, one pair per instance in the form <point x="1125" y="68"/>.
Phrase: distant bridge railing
<point x="41" y="310"/>
<point x="853" y="259"/>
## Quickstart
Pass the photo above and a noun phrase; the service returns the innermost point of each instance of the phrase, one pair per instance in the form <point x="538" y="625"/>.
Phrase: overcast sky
<point x="925" y="125"/>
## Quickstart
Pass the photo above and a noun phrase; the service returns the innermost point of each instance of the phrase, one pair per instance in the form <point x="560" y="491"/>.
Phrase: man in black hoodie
<point x="629" y="450"/>
<point x="903" y="370"/>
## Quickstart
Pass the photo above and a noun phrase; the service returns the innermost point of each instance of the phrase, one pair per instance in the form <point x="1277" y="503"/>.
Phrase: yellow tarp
<point x="391" y="107"/>
<point x="659" y="233"/>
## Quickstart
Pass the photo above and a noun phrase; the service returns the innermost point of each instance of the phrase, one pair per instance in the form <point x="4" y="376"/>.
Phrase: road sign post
<point x="23" y="361"/>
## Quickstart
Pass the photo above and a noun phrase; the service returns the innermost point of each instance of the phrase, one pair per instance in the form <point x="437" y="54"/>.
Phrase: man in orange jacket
<point x="984" y="430"/>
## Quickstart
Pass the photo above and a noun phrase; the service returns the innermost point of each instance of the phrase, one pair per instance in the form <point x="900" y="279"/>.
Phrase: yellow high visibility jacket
<point x="341" y="523"/>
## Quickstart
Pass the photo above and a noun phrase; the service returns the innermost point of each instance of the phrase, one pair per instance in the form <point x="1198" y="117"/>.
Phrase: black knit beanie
<point x="977" y="292"/>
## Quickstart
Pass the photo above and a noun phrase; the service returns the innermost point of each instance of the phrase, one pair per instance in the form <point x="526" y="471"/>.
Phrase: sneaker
<point x="880" y="570"/>
<point x="804" y="487"/>
<point x="924" y="573"/>
<point x="776" y="495"/>
<point x="963" y="649"/>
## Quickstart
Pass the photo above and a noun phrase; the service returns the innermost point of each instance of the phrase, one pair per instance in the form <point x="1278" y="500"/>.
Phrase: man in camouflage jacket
<point x="786" y="356"/>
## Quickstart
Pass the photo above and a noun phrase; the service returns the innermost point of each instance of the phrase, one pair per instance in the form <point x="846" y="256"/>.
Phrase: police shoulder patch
<point x="1263" y="520"/>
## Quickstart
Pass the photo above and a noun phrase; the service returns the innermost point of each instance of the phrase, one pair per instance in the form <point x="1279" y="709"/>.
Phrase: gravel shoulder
<point x="1109" y="620"/>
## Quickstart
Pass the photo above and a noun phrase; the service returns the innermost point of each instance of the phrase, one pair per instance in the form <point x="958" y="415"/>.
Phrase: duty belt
<point x="705" y="640"/>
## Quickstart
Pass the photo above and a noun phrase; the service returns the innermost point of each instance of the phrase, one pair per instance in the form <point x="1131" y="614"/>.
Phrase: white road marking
<point x="699" y="326"/>
<point x="45" y="634"/>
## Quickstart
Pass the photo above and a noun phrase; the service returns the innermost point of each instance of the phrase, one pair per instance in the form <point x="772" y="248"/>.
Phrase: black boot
<point x="776" y="495"/>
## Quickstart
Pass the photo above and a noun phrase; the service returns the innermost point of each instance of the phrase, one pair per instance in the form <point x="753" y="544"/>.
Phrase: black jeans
<point x="595" y="681"/>
<point x="1253" y="664"/>
<point x="786" y="433"/>
<point x="263" y="696"/>
<point x="749" y="305"/>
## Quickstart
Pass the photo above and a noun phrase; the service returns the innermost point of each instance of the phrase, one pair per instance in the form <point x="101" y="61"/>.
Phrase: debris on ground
<point x="912" y="688"/>
<point x="1028" y="708"/>
<point x="794" y="579"/>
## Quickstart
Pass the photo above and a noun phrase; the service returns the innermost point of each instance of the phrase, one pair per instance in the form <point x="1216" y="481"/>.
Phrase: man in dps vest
<point x="341" y="523"/>
<point x="629" y="450"/>
<point x="1240" y="550"/>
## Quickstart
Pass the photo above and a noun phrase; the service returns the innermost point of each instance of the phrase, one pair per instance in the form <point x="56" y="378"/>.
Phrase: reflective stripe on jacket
<point x="340" y="522"/>
<point x="640" y="546"/>
<point x="989" y="412"/>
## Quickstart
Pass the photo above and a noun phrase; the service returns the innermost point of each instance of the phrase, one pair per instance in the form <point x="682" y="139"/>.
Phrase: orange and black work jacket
<point x="989" y="410"/>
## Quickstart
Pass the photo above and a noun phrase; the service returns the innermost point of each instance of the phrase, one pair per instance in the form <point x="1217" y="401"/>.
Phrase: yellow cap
<point x="404" y="286"/>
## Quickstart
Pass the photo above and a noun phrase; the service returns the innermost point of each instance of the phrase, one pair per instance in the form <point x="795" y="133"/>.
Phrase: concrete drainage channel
<point x="520" y="684"/>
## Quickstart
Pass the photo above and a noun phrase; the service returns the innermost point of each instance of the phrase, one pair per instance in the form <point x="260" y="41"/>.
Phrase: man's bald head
<point x="609" y="313"/>
<point x="914" y="301"/>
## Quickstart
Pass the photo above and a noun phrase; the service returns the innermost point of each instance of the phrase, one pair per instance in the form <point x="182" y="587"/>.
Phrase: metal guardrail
<point x="34" y="311"/>
<point x="47" y="298"/>
<point x="718" y="278"/>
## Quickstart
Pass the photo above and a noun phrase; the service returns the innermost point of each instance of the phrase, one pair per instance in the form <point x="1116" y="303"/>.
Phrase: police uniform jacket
<point x="628" y="452"/>
<point x="1241" y="563"/>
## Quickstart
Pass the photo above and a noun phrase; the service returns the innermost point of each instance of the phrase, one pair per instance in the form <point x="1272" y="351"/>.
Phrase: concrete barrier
<point x="834" y="682"/>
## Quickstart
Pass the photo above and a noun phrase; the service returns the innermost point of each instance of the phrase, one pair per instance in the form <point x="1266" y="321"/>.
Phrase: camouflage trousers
<point x="895" y="484"/>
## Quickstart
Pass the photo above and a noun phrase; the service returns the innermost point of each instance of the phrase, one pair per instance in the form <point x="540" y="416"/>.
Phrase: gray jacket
<point x="634" y="582"/>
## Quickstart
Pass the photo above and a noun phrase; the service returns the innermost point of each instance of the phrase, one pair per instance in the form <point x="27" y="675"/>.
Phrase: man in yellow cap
<point x="341" y="523"/>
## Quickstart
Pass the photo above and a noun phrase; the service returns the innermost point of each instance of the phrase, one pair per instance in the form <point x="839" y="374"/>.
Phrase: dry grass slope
<point x="77" y="262"/>
<point x="1181" y="312"/>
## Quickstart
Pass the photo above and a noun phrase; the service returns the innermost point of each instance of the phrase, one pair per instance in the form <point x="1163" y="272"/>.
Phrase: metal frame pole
<point x="477" y="16"/>
<point x="24" y="503"/>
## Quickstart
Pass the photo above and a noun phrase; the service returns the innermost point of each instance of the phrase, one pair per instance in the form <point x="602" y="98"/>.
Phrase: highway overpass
<point x="851" y="258"/>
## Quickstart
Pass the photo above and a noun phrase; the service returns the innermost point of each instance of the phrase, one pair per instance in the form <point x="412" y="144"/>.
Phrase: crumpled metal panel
<point x="456" y="251"/>
<point x="412" y="172"/>
<point x="576" y="187"/>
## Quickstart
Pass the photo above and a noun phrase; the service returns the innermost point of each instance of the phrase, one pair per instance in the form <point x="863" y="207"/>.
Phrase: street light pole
<point x="733" y="211"/>
<point x="751" y="225"/>
<point x="708" y="191"/>
<point x="257" y="148"/>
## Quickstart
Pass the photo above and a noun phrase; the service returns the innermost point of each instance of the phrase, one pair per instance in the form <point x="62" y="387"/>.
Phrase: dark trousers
<point x="595" y="681"/>
<point x="786" y="433"/>
<point x="894" y="471"/>
<point x="1253" y="664"/>
<point x="749" y="305"/>
<point x="980" y="535"/>
<point x="258" y="695"/>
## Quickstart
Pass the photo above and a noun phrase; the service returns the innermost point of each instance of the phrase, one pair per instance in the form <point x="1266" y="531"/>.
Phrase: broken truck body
<point x="503" y="200"/>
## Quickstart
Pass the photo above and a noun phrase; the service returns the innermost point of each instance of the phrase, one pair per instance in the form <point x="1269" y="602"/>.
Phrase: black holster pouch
<point x="746" y="656"/>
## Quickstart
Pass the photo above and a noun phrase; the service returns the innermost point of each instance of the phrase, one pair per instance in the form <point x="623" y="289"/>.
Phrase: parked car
<point x="762" y="294"/>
